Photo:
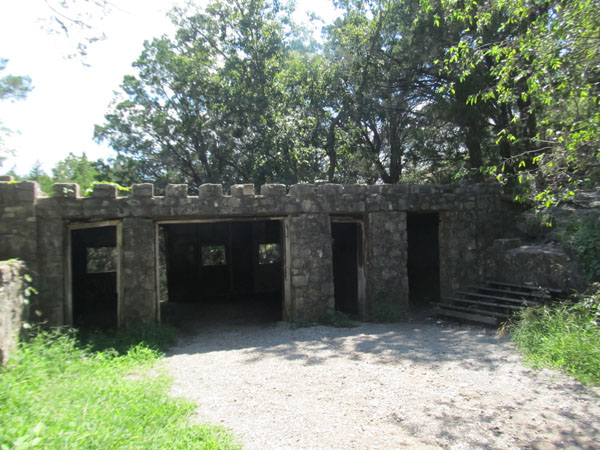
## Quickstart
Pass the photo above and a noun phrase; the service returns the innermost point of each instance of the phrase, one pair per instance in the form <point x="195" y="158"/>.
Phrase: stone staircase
<point x="493" y="302"/>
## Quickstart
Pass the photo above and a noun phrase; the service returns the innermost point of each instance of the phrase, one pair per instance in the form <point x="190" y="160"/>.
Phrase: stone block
<point x="356" y="190"/>
<point x="378" y="189"/>
<point x="27" y="191"/>
<point x="104" y="190"/>
<point x="242" y="190"/>
<point x="177" y="191"/>
<point x="273" y="190"/>
<point x="330" y="190"/>
<point x="6" y="178"/>
<point x="302" y="190"/>
<point x="66" y="190"/>
<point x="143" y="190"/>
<point x="210" y="191"/>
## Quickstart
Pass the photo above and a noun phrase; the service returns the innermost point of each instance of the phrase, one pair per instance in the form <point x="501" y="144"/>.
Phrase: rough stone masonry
<point x="39" y="230"/>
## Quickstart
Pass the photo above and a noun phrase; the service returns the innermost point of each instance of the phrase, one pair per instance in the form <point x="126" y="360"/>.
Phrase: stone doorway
<point x="348" y="266"/>
<point x="221" y="271"/>
<point x="423" y="265"/>
<point x="94" y="275"/>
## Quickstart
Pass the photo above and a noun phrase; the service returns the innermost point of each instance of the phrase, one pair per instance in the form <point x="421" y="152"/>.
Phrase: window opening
<point x="213" y="255"/>
<point x="269" y="254"/>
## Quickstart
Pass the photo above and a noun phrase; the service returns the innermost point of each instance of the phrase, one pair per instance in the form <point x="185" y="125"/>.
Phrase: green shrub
<point x="563" y="336"/>
<point x="57" y="393"/>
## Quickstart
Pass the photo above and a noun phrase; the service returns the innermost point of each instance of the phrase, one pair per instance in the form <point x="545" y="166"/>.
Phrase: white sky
<point x="68" y="98"/>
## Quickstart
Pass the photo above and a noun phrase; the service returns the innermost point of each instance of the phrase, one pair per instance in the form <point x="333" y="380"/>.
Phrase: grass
<point x="104" y="391"/>
<point x="563" y="336"/>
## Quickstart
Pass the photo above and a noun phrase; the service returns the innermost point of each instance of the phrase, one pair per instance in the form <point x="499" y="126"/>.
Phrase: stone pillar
<point x="311" y="266"/>
<point x="387" y="276"/>
<point x="18" y="221"/>
<point x="13" y="306"/>
<point x="18" y="226"/>
<point x="52" y="303"/>
<point x="137" y="292"/>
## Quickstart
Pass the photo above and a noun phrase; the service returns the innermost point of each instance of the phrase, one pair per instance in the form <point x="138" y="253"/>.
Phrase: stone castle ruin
<point x="294" y="253"/>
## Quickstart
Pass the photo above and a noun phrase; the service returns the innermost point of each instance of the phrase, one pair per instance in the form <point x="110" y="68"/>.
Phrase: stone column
<point x="18" y="227"/>
<point x="311" y="266"/>
<point x="138" y="300"/>
<point x="387" y="276"/>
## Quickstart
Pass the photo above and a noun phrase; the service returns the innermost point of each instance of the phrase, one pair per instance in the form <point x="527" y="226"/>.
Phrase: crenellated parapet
<point x="271" y="199"/>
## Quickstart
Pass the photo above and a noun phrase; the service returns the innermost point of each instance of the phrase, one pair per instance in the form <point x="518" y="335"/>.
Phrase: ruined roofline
<point x="29" y="190"/>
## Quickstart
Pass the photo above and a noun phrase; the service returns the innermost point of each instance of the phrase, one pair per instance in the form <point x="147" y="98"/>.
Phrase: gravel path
<point x="419" y="384"/>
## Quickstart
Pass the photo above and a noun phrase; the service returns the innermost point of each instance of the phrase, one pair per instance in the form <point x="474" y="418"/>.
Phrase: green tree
<point x="12" y="87"/>
<point x="226" y="101"/>
<point x="394" y="122"/>
<point x="42" y="178"/>
<point x="544" y="60"/>
<point x="75" y="169"/>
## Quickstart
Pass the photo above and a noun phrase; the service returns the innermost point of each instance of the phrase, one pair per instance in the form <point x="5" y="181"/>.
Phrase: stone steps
<point x="493" y="302"/>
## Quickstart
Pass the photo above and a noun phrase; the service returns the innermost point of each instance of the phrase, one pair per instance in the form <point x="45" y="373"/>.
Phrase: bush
<point x="564" y="336"/>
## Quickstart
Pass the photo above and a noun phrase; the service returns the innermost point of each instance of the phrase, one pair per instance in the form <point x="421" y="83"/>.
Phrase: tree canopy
<point x="396" y="90"/>
<point x="12" y="87"/>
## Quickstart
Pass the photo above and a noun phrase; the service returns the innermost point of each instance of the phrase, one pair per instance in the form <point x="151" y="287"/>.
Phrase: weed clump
<point x="564" y="336"/>
<point x="59" y="392"/>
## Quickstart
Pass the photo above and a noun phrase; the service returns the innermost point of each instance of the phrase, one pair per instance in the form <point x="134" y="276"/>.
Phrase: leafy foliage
<point x="562" y="336"/>
<point x="412" y="90"/>
<point x="72" y="169"/>
<point x="12" y="87"/>
<point x="56" y="394"/>
<point x="544" y="64"/>
<point x="219" y="103"/>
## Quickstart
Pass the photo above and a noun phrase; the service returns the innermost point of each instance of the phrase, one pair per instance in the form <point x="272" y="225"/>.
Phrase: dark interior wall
<point x="423" y="258"/>
<point x="346" y="251"/>
<point x="94" y="283"/>
<point x="212" y="263"/>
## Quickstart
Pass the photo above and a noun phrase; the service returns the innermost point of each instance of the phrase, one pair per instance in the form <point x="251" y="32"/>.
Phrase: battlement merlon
<point x="29" y="190"/>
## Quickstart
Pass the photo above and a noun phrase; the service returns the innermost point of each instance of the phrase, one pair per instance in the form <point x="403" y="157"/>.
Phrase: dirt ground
<point x="419" y="384"/>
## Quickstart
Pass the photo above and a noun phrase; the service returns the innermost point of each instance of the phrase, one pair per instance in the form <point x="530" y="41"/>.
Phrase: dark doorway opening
<point x="94" y="262"/>
<point x="346" y="245"/>
<point x="423" y="259"/>
<point x="221" y="271"/>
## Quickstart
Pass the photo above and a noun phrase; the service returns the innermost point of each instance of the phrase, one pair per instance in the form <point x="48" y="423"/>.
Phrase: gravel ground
<point x="418" y="384"/>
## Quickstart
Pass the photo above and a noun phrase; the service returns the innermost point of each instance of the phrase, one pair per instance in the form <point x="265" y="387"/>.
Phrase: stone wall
<point x="386" y="258"/>
<point x="12" y="306"/>
<point x="36" y="228"/>
<point x="545" y="265"/>
<point x="310" y="266"/>
<point x="18" y="224"/>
